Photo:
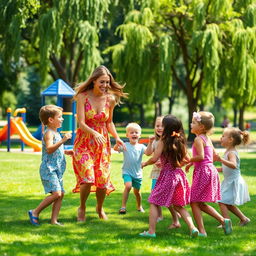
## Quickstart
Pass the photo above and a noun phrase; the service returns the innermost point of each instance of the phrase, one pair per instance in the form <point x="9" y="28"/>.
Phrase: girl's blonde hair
<point x="205" y="118"/>
<point x="48" y="111"/>
<point x="157" y="137"/>
<point x="238" y="136"/>
<point x="114" y="88"/>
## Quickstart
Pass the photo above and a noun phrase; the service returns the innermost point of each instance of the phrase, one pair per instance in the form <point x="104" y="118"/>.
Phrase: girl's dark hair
<point x="174" y="140"/>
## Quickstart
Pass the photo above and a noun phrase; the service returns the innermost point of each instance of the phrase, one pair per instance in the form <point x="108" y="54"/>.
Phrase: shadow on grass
<point x="117" y="236"/>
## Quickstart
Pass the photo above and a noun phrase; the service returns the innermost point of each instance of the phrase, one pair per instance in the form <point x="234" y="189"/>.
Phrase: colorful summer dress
<point x="53" y="166"/>
<point x="206" y="184"/>
<point x="91" y="161"/>
<point x="234" y="190"/>
<point x="172" y="187"/>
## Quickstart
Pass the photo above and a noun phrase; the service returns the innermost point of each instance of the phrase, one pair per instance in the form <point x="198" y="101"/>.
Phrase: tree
<point x="193" y="37"/>
<point x="60" y="35"/>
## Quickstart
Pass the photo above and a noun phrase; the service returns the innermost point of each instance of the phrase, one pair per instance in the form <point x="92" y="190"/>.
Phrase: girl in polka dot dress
<point x="171" y="187"/>
<point x="205" y="185"/>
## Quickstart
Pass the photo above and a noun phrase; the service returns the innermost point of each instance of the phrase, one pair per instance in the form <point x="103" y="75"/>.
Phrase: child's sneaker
<point x="141" y="210"/>
<point x="147" y="234"/>
<point x="227" y="226"/>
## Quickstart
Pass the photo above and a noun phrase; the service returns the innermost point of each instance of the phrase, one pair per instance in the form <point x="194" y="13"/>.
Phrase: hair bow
<point x="175" y="134"/>
<point x="197" y="116"/>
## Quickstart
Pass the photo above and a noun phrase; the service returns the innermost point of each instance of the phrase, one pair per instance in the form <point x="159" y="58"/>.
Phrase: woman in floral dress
<point x="96" y="99"/>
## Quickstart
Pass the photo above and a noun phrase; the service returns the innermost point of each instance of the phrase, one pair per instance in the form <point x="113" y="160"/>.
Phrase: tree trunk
<point x="241" y="117"/>
<point x="158" y="109"/>
<point x="142" y="115"/>
<point x="191" y="108"/>
<point x="235" y="116"/>
<point x="171" y="103"/>
<point x="131" y="111"/>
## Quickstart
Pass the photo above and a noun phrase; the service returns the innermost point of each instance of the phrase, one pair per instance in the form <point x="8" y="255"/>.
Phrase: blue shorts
<point x="136" y="182"/>
<point x="153" y="183"/>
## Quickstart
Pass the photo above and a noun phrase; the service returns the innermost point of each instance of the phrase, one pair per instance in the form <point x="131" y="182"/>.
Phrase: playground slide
<point x="3" y="133"/>
<point x="19" y="127"/>
<point x="25" y="135"/>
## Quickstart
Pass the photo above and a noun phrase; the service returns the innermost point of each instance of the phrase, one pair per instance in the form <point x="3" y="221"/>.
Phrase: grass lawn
<point x="21" y="190"/>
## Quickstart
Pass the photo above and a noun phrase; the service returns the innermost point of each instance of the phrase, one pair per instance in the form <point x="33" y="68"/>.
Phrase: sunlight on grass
<point x="21" y="190"/>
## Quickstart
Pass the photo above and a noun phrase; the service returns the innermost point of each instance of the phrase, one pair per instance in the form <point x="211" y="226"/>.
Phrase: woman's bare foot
<point x="80" y="215"/>
<point x="174" y="225"/>
<point x="102" y="214"/>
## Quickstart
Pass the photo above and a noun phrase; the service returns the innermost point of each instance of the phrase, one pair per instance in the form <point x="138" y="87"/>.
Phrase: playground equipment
<point x="16" y="125"/>
<point x="62" y="90"/>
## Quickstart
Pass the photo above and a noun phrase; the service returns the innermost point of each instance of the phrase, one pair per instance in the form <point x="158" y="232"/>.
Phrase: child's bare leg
<point x="160" y="214"/>
<point x="100" y="195"/>
<point x="175" y="218"/>
<point x="186" y="216"/>
<point x="235" y="210"/>
<point x="46" y="202"/>
<point x="138" y="199"/>
<point x="212" y="212"/>
<point x="224" y="210"/>
<point x="198" y="217"/>
<point x="153" y="214"/>
<point x="127" y="189"/>
<point x="56" y="209"/>
<point x="85" y="190"/>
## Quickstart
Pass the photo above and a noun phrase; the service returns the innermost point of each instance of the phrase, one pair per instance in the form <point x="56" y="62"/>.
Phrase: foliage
<point x="60" y="35"/>
<point x="195" y="43"/>
<point x="8" y="100"/>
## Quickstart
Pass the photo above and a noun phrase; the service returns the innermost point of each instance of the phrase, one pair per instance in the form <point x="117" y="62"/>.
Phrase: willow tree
<point x="196" y="45"/>
<point x="60" y="35"/>
<point x="133" y="58"/>
<point x="240" y="67"/>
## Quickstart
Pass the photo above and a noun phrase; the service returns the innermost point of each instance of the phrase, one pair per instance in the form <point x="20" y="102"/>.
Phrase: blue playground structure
<point x="62" y="90"/>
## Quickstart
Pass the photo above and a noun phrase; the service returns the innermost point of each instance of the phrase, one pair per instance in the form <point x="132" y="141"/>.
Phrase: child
<point x="205" y="186"/>
<point x="172" y="187"/>
<point x="132" y="172"/>
<point x="234" y="190"/>
<point x="153" y="141"/>
<point x="53" y="163"/>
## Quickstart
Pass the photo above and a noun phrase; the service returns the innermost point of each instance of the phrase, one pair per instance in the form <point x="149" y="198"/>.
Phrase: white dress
<point x="234" y="190"/>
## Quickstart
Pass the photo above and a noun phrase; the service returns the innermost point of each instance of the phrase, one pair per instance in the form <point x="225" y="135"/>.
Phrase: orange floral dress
<point x="91" y="162"/>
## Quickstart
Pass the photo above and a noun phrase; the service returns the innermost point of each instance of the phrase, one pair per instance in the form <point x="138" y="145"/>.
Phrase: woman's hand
<point x="99" y="138"/>
<point x="120" y="143"/>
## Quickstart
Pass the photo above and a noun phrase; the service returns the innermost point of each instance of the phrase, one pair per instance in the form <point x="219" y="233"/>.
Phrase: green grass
<point x="21" y="190"/>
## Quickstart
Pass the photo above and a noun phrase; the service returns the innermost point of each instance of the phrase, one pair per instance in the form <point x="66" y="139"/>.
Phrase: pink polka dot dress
<point x="206" y="184"/>
<point x="172" y="187"/>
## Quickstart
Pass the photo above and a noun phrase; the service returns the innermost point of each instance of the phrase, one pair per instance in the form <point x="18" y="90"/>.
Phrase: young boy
<point x="131" y="170"/>
<point x="53" y="163"/>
